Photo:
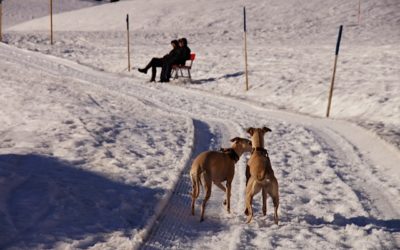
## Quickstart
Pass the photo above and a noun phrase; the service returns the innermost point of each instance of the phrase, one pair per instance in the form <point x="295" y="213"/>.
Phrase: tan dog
<point x="216" y="167"/>
<point x="261" y="176"/>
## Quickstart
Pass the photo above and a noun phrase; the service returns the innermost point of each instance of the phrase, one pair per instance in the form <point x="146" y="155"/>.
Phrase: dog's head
<point x="242" y="144"/>
<point x="257" y="136"/>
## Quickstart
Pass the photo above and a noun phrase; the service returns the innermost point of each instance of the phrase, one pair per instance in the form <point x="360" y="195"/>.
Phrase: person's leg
<point x="162" y="78"/>
<point x="165" y="72"/>
<point x="157" y="62"/>
<point x="153" y="61"/>
<point x="168" y="71"/>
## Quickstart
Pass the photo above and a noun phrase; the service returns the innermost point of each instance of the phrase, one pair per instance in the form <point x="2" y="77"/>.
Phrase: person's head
<point x="175" y="44"/>
<point x="182" y="42"/>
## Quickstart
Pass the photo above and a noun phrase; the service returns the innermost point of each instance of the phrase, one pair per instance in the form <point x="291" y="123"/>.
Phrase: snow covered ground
<point x="367" y="81"/>
<point x="93" y="156"/>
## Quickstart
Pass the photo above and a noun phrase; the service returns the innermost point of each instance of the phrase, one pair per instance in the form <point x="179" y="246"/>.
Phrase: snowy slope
<point x="104" y="188"/>
<point x="15" y="11"/>
<point x="367" y="82"/>
<point x="99" y="159"/>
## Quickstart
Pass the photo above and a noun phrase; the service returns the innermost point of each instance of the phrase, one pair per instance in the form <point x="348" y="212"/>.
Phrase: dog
<point x="216" y="167"/>
<point x="259" y="175"/>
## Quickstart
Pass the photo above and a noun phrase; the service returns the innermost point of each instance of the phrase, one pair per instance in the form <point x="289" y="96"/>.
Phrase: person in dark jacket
<point x="157" y="62"/>
<point x="179" y="58"/>
<point x="184" y="51"/>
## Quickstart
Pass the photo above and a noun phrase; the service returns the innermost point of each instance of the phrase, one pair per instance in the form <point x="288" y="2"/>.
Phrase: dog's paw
<point x="249" y="218"/>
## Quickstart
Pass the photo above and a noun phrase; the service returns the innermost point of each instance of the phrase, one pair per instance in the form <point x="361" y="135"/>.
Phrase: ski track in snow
<point x="343" y="171"/>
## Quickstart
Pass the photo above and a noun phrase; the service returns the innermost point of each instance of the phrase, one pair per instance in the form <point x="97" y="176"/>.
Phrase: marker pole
<point x="245" y="48"/>
<point x="51" y="22"/>
<point x="1" y="15"/>
<point x="129" y="54"/>
<point x="334" y="70"/>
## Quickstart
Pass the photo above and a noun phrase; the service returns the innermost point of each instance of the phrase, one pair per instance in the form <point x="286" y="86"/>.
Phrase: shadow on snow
<point x="213" y="79"/>
<point x="44" y="200"/>
<point x="391" y="225"/>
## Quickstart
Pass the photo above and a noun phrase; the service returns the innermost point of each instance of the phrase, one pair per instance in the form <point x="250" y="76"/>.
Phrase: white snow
<point x="95" y="157"/>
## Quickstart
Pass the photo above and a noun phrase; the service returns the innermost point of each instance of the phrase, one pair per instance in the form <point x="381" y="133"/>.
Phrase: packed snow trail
<point x="337" y="191"/>
<point x="176" y="227"/>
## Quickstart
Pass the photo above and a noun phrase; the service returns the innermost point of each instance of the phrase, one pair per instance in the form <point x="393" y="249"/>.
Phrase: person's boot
<point x="144" y="71"/>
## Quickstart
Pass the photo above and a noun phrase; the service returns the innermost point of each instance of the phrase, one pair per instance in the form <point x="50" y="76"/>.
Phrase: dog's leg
<point x="207" y="188"/>
<point x="264" y="200"/>
<point x="193" y="194"/>
<point x="246" y="211"/>
<point x="247" y="173"/>
<point x="249" y="200"/>
<point x="274" y="193"/>
<point x="276" y="205"/>
<point x="228" y="194"/>
<point x="249" y="208"/>
<point x="195" y="189"/>
<point x="219" y="184"/>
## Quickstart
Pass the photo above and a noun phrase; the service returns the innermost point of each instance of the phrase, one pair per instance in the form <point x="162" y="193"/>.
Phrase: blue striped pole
<point x="1" y="14"/>
<point x="244" y="19"/>
<point x="334" y="70"/>
<point x="129" y="53"/>
<point x="245" y="48"/>
<point x="51" y="22"/>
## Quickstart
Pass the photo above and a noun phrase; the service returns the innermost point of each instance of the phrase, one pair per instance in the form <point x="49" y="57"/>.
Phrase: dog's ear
<point x="235" y="139"/>
<point x="250" y="131"/>
<point x="265" y="129"/>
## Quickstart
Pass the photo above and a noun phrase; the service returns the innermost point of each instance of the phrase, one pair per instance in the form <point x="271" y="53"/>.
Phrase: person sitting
<point x="156" y="62"/>
<point x="179" y="58"/>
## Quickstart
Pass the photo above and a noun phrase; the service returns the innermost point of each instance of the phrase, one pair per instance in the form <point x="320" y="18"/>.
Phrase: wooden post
<point x="51" y="22"/>
<point x="245" y="48"/>
<point x="334" y="70"/>
<point x="1" y="15"/>
<point x="129" y="54"/>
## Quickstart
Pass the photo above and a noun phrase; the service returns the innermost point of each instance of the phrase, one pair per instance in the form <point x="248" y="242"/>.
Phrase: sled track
<point x="172" y="222"/>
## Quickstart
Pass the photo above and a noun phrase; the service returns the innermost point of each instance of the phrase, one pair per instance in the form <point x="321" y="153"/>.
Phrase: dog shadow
<point x="392" y="225"/>
<point x="45" y="201"/>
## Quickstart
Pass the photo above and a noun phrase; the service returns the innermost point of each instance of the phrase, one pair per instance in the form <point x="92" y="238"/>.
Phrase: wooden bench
<point x="179" y="68"/>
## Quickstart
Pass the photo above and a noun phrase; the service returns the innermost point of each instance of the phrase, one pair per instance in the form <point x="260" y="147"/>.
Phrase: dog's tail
<point x="196" y="182"/>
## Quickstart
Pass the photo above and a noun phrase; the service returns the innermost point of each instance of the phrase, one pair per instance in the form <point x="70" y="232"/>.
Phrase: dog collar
<point x="232" y="154"/>
<point x="260" y="149"/>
